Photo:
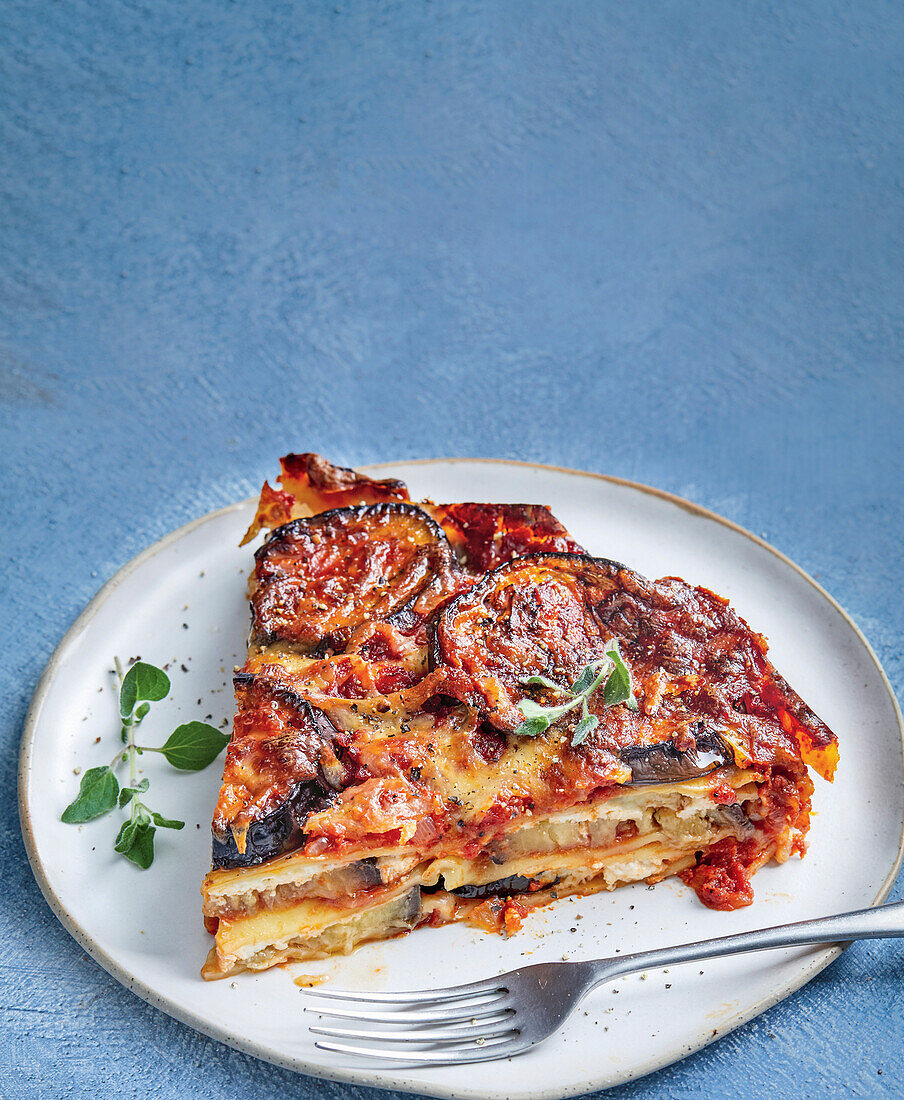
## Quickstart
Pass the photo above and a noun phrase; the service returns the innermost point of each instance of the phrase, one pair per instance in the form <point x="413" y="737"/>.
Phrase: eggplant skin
<point x="366" y="873"/>
<point x="735" y="816"/>
<point x="409" y="911"/>
<point x="279" y="832"/>
<point x="500" y="631"/>
<point x="316" y="579"/>
<point x="666" y="763"/>
<point x="271" y="784"/>
<point x="501" y="888"/>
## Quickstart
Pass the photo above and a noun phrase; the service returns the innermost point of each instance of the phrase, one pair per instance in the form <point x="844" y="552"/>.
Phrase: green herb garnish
<point x="189" y="747"/>
<point x="610" y="670"/>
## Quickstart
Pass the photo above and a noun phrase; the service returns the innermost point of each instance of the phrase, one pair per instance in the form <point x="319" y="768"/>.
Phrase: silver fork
<point x="508" y="1015"/>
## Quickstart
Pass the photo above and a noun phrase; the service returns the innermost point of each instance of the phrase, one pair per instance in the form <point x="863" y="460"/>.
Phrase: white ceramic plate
<point x="183" y="602"/>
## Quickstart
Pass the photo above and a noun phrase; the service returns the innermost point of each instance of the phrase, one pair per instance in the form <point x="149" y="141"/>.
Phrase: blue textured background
<point x="658" y="241"/>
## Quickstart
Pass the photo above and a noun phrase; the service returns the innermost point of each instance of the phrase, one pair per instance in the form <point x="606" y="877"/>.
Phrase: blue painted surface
<point x="662" y="242"/>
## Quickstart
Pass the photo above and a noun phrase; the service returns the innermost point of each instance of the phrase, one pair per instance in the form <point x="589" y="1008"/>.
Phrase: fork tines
<point x="465" y="1024"/>
<point x="442" y="996"/>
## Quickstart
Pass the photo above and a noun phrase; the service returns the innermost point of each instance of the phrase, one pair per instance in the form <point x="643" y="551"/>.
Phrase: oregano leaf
<point x="128" y="793"/>
<point x="531" y="709"/>
<point x="125" y="836"/>
<point x="142" y="682"/>
<point x="532" y="727"/>
<point x="190" y="747"/>
<point x="586" y="677"/>
<point x="193" y="746"/>
<point x="96" y="796"/>
<point x="136" y="842"/>
<point x="618" y="684"/>
<point x="543" y="681"/>
<point x="583" y="729"/>
<point x="610" y="671"/>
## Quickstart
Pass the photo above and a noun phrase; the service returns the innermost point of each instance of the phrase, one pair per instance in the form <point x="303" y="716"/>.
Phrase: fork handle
<point x="864" y="924"/>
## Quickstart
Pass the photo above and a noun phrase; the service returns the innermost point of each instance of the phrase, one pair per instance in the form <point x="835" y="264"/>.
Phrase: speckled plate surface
<point x="182" y="602"/>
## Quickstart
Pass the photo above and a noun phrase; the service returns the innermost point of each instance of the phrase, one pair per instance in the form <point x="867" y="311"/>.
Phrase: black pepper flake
<point x="415" y="774"/>
<point x="183" y="667"/>
<point x="185" y="626"/>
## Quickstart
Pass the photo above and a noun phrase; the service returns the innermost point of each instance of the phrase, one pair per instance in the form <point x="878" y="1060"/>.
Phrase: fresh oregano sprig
<point x="189" y="747"/>
<point x="611" y="671"/>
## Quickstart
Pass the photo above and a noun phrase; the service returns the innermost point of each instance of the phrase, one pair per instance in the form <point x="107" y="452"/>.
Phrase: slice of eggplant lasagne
<point x="454" y="712"/>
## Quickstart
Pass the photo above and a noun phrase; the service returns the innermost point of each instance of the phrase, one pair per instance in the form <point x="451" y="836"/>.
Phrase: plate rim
<point x="821" y="959"/>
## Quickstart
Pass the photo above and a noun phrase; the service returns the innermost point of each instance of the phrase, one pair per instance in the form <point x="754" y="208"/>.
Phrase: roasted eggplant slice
<point x="377" y="922"/>
<point x="501" y="888"/>
<point x="273" y="776"/>
<point x="535" y="614"/>
<point x="272" y="835"/>
<point x="361" y="875"/>
<point x="739" y="821"/>
<point x="316" y="579"/>
<point x="487" y="535"/>
<point x="692" y="659"/>
<point x="666" y="763"/>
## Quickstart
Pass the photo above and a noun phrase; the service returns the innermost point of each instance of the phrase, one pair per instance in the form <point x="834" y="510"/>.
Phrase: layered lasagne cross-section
<point x="382" y="774"/>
